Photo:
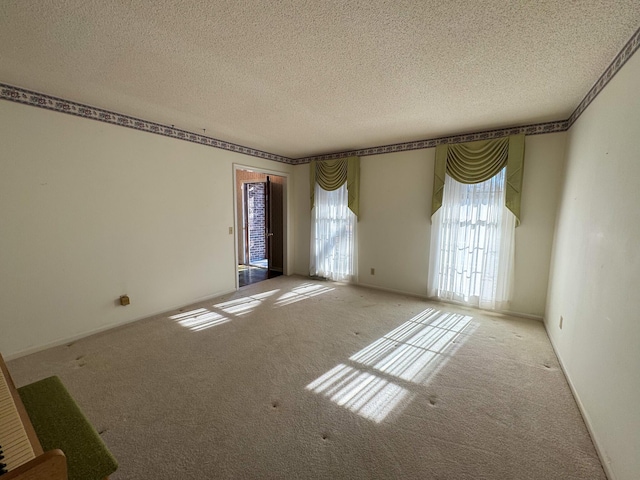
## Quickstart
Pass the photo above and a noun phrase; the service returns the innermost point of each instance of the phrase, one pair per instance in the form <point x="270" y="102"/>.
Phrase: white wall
<point x="302" y="222"/>
<point x="595" y="279"/>
<point x="90" y="211"/>
<point x="394" y="227"/>
<point x="544" y="164"/>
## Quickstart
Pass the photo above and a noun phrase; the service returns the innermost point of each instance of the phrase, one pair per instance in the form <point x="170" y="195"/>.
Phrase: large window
<point x="335" y="186"/>
<point x="333" y="229"/>
<point x="472" y="244"/>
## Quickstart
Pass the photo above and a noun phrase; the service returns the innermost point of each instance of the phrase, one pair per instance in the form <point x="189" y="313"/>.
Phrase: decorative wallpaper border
<point x="28" y="97"/>
<point x="534" y="129"/>
<point x="614" y="67"/>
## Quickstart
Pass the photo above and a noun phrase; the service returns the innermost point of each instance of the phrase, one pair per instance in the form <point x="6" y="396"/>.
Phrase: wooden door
<point x="275" y="221"/>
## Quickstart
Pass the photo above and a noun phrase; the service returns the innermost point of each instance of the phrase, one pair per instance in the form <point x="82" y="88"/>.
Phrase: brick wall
<point x="243" y="177"/>
<point x="256" y="218"/>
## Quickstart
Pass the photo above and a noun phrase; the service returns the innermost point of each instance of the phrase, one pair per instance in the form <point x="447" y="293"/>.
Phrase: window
<point x="335" y="186"/>
<point x="472" y="244"/>
<point x="333" y="232"/>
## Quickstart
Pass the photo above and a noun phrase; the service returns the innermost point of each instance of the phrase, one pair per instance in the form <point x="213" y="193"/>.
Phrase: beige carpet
<point x="292" y="378"/>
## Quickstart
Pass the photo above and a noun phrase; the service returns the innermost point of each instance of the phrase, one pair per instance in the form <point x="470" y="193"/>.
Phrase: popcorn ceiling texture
<point x="307" y="78"/>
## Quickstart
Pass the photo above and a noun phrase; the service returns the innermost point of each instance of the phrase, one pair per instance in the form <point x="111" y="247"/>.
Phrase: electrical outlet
<point x="561" y="320"/>
<point x="373" y="271"/>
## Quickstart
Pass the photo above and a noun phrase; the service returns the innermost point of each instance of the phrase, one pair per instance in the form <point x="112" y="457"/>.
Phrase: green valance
<point x="332" y="174"/>
<point x="476" y="162"/>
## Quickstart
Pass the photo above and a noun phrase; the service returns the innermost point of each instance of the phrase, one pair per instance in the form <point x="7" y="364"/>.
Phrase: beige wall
<point x="394" y="227"/>
<point x="90" y="211"/>
<point x="596" y="270"/>
<point x="302" y="219"/>
<point x="544" y="164"/>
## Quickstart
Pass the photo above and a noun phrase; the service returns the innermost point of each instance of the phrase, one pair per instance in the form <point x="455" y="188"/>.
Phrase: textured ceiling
<point x="300" y="78"/>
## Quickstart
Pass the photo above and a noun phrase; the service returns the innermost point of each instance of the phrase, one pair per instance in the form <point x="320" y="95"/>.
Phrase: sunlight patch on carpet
<point x="199" y="319"/>
<point x="244" y="305"/>
<point x="411" y="354"/>
<point x="415" y="349"/>
<point x="202" y="318"/>
<point x="361" y="392"/>
<point x="303" y="292"/>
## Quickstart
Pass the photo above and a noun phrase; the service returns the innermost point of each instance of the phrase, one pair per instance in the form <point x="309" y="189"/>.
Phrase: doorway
<point x="260" y="225"/>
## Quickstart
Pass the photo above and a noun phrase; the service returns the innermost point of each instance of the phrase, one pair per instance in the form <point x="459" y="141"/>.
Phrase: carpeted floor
<point x="292" y="378"/>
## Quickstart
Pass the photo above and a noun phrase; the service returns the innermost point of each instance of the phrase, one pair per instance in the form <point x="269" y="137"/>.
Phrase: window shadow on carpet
<point x="202" y="318"/>
<point x="383" y="377"/>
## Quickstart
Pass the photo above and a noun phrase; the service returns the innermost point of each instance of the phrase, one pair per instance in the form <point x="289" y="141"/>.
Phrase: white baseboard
<point x="537" y="318"/>
<point x="437" y="300"/>
<point x="67" y="340"/>
<point x="604" y="458"/>
<point x="104" y="328"/>
<point x="391" y="290"/>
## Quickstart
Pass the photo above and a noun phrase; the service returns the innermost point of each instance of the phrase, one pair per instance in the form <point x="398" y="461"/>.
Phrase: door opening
<point x="255" y="224"/>
<point x="260" y="207"/>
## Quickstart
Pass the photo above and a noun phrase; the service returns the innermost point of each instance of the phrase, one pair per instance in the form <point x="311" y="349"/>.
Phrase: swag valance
<point x="332" y="174"/>
<point x="476" y="162"/>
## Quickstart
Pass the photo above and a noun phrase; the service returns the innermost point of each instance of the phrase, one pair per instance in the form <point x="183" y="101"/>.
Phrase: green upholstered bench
<point x="59" y="423"/>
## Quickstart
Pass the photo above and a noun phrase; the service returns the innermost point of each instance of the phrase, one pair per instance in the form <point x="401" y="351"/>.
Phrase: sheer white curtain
<point x="333" y="235"/>
<point x="472" y="245"/>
